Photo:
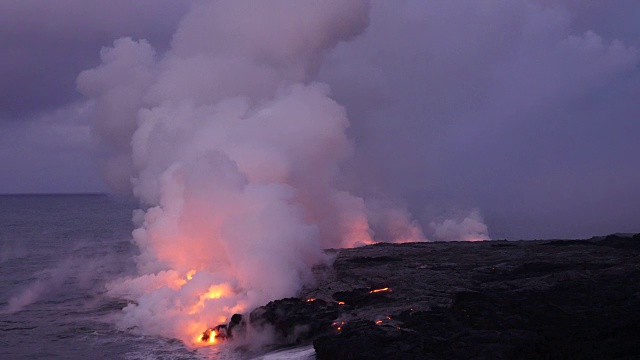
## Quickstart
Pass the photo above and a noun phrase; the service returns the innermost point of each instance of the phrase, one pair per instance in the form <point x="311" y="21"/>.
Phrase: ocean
<point x="57" y="253"/>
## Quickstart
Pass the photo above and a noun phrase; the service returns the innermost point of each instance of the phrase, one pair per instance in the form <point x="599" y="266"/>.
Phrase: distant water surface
<point x="57" y="252"/>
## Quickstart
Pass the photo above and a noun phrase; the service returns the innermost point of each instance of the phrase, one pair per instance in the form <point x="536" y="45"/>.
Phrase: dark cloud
<point x="45" y="44"/>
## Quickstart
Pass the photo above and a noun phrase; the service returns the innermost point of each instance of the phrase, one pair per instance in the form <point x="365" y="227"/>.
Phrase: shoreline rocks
<point x="461" y="300"/>
<point x="490" y="300"/>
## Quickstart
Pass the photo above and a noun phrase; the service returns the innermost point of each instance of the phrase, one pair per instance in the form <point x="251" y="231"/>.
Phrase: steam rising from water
<point x="235" y="153"/>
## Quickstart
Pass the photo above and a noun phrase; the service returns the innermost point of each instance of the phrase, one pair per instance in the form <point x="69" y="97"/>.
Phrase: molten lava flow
<point x="311" y="300"/>
<point x="380" y="290"/>
<point x="214" y="292"/>
<point x="379" y="321"/>
<point x="208" y="336"/>
<point x="340" y="302"/>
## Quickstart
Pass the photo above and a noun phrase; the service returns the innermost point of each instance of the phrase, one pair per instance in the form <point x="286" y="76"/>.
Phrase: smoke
<point x="465" y="228"/>
<point x="392" y="222"/>
<point x="526" y="109"/>
<point x="45" y="284"/>
<point x="70" y="274"/>
<point x="235" y="153"/>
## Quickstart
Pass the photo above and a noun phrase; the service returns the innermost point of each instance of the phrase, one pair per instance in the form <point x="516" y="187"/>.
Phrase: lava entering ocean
<point x="208" y="336"/>
<point x="234" y="152"/>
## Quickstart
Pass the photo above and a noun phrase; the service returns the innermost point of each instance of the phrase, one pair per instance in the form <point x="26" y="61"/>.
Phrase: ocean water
<point x="57" y="252"/>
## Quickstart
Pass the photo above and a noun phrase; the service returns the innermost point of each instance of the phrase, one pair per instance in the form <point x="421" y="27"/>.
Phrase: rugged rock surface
<point x="487" y="300"/>
<point x="295" y="321"/>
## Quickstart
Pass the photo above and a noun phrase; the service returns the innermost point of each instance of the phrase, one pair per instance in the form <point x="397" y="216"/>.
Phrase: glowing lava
<point x="214" y="292"/>
<point x="380" y="290"/>
<point x="190" y="275"/>
<point x="208" y="336"/>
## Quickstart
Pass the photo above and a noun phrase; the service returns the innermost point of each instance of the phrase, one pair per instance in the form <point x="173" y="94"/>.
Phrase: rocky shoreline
<point x="552" y="299"/>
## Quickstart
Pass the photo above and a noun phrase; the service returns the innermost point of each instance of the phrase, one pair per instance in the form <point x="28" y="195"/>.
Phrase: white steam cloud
<point x="464" y="228"/>
<point x="235" y="152"/>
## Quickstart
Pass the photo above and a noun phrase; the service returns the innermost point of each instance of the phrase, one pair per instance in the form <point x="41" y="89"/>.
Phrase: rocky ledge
<point x="577" y="299"/>
<point x="552" y="299"/>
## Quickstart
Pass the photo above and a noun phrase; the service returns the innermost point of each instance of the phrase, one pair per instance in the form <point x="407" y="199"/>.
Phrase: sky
<point x="524" y="113"/>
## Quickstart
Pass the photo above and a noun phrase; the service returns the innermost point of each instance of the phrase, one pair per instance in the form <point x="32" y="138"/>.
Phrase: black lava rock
<point x="364" y="340"/>
<point x="296" y="321"/>
<point x="576" y="299"/>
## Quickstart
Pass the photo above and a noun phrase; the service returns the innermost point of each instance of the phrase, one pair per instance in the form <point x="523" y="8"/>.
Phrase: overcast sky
<point x="527" y="110"/>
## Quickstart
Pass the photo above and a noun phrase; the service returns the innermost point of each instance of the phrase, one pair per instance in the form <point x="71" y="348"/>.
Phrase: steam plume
<point x="235" y="153"/>
<point x="468" y="228"/>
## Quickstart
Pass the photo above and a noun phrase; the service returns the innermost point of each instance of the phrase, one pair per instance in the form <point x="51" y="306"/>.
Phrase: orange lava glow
<point x="311" y="300"/>
<point x="208" y="307"/>
<point x="214" y="292"/>
<point x="208" y="337"/>
<point x="378" y="322"/>
<point x="190" y="275"/>
<point x="380" y="290"/>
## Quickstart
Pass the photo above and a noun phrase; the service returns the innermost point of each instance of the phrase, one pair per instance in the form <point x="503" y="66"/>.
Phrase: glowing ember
<point x="380" y="290"/>
<point x="378" y="322"/>
<point x="340" y="302"/>
<point x="311" y="300"/>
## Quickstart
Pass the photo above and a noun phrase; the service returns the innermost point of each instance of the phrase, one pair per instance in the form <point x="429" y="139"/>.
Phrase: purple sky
<point x="528" y="110"/>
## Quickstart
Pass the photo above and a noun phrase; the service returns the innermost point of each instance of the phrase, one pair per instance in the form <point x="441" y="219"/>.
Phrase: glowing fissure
<point x="380" y="290"/>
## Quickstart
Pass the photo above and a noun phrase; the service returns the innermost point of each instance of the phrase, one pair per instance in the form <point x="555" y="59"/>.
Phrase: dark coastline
<point x="552" y="299"/>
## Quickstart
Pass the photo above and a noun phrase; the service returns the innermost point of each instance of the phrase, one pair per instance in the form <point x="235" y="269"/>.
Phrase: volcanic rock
<point x="486" y="300"/>
<point x="363" y="339"/>
<point x="237" y="323"/>
<point x="296" y="321"/>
